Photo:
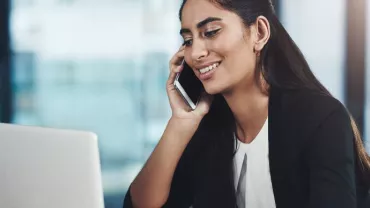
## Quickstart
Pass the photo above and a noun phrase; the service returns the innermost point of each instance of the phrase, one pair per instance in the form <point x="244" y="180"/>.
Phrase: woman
<point x="266" y="133"/>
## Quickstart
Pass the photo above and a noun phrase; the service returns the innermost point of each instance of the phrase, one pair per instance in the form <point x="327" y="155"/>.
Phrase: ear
<point x="261" y="33"/>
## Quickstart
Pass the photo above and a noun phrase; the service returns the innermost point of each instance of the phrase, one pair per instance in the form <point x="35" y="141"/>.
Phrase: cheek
<point x="239" y="59"/>
<point x="239" y="51"/>
<point x="221" y="46"/>
<point x="230" y="45"/>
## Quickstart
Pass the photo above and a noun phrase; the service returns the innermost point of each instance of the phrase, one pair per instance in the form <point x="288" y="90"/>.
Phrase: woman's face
<point x="218" y="47"/>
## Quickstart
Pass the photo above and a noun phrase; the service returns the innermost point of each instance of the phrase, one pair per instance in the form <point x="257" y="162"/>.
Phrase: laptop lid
<point x="44" y="168"/>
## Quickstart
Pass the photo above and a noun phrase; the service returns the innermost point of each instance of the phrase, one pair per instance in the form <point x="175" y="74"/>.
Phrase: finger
<point x="204" y="102"/>
<point x="177" y="69"/>
<point x="173" y="74"/>
<point x="206" y="98"/>
<point x="178" y="57"/>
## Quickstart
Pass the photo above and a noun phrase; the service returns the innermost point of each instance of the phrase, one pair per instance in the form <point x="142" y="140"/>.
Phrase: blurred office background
<point x="101" y="65"/>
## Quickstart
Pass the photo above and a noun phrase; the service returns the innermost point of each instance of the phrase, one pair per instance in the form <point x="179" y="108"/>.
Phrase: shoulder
<point x="310" y="101"/>
<point x="311" y="106"/>
<point x="305" y="110"/>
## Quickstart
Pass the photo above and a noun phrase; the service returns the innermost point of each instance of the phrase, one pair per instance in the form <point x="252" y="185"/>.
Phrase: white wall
<point x="318" y="28"/>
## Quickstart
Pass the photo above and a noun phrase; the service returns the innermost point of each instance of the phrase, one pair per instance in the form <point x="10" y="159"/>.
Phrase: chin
<point x="213" y="90"/>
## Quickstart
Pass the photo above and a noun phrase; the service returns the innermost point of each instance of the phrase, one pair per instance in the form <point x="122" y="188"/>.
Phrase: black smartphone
<point x="189" y="86"/>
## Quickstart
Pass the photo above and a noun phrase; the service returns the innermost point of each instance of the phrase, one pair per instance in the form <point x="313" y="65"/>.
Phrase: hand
<point x="180" y="110"/>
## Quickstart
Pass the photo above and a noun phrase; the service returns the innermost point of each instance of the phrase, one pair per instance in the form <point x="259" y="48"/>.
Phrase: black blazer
<point x="311" y="153"/>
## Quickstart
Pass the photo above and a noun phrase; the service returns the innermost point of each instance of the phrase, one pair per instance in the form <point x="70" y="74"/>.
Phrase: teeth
<point x="209" y="68"/>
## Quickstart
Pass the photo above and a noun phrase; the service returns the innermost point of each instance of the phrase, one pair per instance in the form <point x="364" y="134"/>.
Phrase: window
<point x="307" y="22"/>
<point x="367" y="82"/>
<point x="99" y="66"/>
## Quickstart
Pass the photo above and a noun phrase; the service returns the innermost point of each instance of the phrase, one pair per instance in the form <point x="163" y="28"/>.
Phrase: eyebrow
<point x="201" y="24"/>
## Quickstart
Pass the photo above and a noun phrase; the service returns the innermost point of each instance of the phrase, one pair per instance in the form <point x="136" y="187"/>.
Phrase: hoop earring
<point x="258" y="53"/>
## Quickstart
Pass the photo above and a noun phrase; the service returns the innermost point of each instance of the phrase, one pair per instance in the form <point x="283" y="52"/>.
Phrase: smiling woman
<point x="210" y="40"/>
<point x="266" y="134"/>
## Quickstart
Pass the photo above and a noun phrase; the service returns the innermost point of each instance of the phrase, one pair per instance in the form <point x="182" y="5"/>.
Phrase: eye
<point x="187" y="42"/>
<point x="211" y="33"/>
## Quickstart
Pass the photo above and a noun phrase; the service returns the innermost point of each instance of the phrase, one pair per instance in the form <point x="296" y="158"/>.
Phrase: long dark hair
<point x="283" y="66"/>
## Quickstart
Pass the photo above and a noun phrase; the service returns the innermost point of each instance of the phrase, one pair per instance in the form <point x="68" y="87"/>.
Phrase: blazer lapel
<point x="276" y="150"/>
<point x="285" y="143"/>
<point x="281" y="141"/>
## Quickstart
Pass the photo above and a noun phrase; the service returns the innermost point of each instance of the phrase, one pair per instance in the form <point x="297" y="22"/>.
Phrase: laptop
<point x="49" y="168"/>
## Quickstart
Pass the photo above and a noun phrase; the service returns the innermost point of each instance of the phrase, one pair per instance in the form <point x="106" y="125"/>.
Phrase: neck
<point x="250" y="109"/>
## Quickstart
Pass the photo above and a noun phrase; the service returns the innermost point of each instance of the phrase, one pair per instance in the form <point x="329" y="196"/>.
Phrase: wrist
<point x="182" y="124"/>
<point x="185" y="121"/>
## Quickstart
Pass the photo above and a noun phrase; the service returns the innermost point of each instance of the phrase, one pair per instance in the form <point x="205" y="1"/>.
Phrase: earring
<point x="256" y="52"/>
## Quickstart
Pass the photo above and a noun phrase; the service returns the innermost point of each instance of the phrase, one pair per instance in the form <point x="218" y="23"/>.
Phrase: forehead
<point x="195" y="11"/>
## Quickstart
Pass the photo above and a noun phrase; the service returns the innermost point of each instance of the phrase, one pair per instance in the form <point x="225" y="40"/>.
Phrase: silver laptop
<point x="49" y="168"/>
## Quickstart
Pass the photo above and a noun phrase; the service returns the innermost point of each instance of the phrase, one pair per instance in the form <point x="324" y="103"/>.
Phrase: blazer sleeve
<point x="331" y="161"/>
<point x="181" y="191"/>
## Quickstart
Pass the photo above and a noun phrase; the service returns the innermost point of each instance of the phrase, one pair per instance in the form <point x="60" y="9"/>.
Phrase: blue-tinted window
<point x="99" y="66"/>
<point x="306" y="21"/>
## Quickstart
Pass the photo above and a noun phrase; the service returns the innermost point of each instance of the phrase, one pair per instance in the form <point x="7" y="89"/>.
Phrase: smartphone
<point x="189" y="86"/>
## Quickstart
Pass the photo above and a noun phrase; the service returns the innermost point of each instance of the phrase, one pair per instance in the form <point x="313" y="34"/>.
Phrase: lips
<point x="207" y="72"/>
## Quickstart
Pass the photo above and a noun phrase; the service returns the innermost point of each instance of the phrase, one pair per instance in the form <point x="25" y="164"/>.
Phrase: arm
<point x="151" y="188"/>
<point x="157" y="184"/>
<point x="331" y="160"/>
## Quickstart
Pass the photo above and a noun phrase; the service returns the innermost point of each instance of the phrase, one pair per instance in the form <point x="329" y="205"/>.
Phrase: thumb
<point x="204" y="103"/>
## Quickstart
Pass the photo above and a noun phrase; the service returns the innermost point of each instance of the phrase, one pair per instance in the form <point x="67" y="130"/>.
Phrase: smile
<point x="209" y="68"/>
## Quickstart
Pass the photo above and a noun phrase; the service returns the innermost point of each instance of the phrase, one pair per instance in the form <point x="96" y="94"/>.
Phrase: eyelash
<point x="208" y="34"/>
<point x="211" y="33"/>
<point x="187" y="42"/>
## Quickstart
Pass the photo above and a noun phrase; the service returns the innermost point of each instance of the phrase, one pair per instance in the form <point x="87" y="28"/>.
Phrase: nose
<point x="199" y="50"/>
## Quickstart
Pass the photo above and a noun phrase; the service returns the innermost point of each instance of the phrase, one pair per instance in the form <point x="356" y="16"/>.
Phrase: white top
<point x="258" y="186"/>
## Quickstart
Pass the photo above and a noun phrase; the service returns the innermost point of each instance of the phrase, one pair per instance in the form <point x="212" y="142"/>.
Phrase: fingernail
<point x="179" y="68"/>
